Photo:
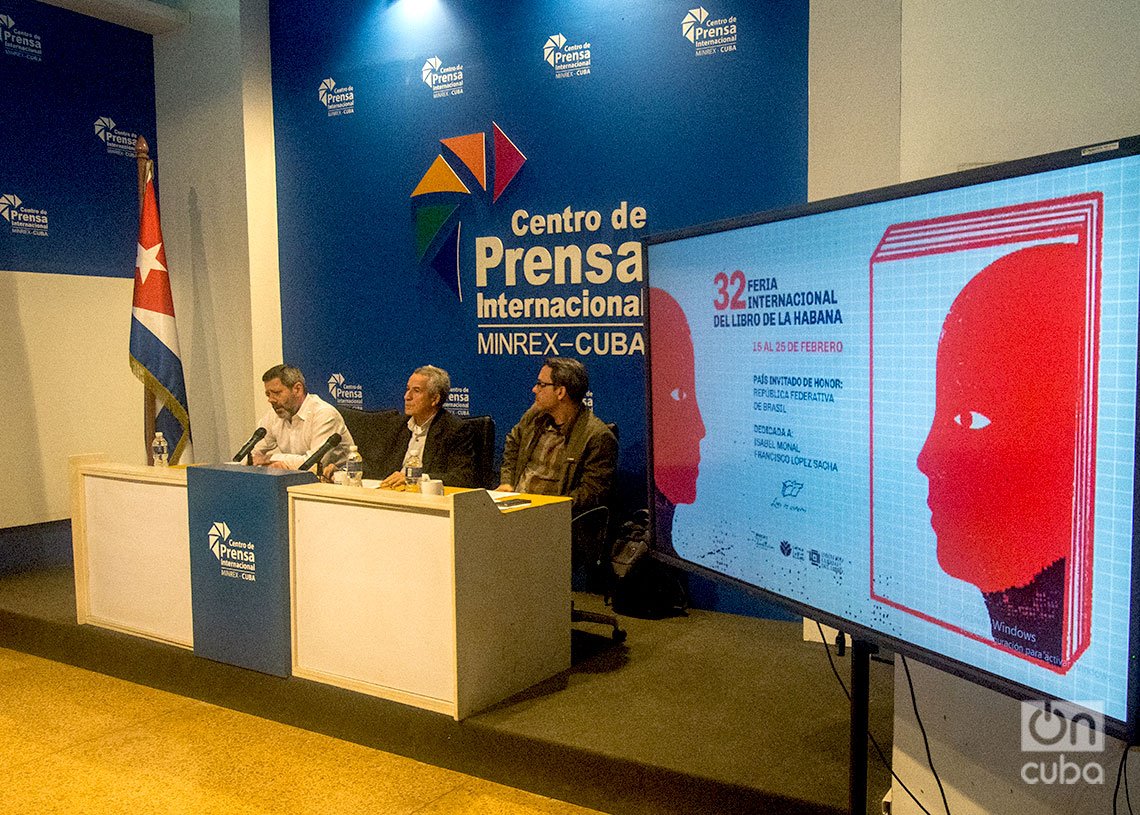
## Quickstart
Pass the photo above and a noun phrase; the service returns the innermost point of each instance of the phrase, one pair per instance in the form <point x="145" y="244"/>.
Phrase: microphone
<point x="330" y="443"/>
<point x="247" y="448"/>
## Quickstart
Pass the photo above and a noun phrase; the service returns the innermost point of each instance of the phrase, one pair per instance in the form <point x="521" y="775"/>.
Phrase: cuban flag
<point x="155" y="358"/>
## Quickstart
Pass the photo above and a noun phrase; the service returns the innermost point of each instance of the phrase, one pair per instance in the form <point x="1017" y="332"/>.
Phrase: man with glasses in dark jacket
<point x="559" y="447"/>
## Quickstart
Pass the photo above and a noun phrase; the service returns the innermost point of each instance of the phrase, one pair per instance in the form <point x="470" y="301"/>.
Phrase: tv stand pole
<point x="861" y="651"/>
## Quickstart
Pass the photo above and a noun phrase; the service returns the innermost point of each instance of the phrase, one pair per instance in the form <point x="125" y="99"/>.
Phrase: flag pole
<point x="150" y="404"/>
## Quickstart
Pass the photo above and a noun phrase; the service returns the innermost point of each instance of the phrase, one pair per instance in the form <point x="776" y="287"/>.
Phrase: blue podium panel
<point x="239" y="564"/>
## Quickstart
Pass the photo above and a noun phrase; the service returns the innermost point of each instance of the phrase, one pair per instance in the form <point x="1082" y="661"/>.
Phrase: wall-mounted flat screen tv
<point x="912" y="413"/>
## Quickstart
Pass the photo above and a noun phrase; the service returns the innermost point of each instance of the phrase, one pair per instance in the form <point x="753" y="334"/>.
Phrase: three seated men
<point x="558" y="446"/>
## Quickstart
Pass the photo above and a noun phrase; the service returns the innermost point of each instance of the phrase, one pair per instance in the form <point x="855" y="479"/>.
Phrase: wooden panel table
<point x="132" y="549"/>
<point x="443" y="602"/>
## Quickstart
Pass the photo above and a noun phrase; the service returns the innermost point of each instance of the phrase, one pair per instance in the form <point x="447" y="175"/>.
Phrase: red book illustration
<point x="1010" y="453"/>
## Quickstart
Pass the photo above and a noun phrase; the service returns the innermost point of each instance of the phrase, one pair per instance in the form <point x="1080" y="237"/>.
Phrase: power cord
<point x="1127" y="798"/>
<point x="922" y="729"/>
<point x="847" y="693"/>
<point x="1122" y="771"/>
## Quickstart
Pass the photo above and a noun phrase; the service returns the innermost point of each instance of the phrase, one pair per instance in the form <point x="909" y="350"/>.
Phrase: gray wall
<point x="984" y="82"/>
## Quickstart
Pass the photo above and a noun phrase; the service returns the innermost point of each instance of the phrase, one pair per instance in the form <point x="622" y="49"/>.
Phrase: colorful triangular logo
<point x="436" y="230"/>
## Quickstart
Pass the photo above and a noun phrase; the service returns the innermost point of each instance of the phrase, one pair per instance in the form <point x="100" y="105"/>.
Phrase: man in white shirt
<point x="297" y="423"/>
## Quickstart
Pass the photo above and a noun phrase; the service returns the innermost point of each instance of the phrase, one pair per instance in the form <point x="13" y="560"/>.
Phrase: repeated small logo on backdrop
<point x="338" y="100"/>
<point x="345" y="394"/>
<point x="236" y="559"/>
<point x="219" y="534"/>
<point x="23" y="220"/>
<point x="443" y="80"/>
<point x="459" y="401"/>
<point x="20" y="43"/>
<point x="119" y="142"/>
<point x="709" y="35"/>
<point x="566" y="58"/>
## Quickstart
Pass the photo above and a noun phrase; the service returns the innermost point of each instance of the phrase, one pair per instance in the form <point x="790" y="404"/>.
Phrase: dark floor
<point x="706" y="713"/>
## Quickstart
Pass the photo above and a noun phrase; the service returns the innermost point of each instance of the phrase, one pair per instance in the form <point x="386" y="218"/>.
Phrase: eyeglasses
<point x="538" y="383"/>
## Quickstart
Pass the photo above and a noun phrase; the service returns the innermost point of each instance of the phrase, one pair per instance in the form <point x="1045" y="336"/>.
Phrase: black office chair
<point x="372" y="433"/>
<point x="591" y="550"/>
<point x="482" y="429"/>
<point x="590" y="553"/>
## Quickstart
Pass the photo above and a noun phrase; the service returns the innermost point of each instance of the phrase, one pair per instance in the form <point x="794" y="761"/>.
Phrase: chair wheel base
<point x="580" y="616"/>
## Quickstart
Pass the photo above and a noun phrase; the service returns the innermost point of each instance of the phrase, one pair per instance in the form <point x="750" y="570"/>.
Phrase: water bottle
<point x="353" y="467"/>
<point x="158" y="450"/>
<point x="413" y="472"/>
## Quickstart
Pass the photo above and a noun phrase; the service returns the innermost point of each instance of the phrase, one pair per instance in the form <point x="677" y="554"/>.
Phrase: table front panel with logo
<point x="239" y="564"/>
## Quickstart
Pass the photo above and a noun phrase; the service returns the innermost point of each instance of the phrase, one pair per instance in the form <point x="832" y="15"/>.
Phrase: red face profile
<point x="677" y="425"/>
<point x="1000" y="452"/>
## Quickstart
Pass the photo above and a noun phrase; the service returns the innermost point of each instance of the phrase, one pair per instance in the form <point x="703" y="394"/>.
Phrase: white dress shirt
<point x="419" y="439"/>
<point x="294" y="439"/>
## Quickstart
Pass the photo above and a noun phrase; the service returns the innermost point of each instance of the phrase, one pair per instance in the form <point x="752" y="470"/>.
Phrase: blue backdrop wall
<point x="76" y="93"/>
<point x="467" y="184"/>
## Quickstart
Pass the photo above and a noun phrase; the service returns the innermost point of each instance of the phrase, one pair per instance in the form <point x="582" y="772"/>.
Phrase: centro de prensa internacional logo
<point x="23" y="220"/>
<point x="345" y="394"/>
<point x="237" y="559"/>
<point x="219" y="536"/>
<point x="8" y="204"/>
<point x="20" y="43"/>
<point x="552" y="46"/>
<point x="692" y="22"/>
<point x="455" y="171"/>
<point x="443" y="80"/>
<point x="119" y="142"/>
<point x="709" y="36"/>
<point x="338" y="101"/>
<point x="567" y="59"/>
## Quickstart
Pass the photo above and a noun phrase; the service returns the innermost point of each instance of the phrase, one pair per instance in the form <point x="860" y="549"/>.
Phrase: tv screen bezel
<point x="1114" y="149"/>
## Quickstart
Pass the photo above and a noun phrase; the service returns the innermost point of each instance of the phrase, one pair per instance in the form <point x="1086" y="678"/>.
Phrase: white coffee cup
<point x="431" y="486"/>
